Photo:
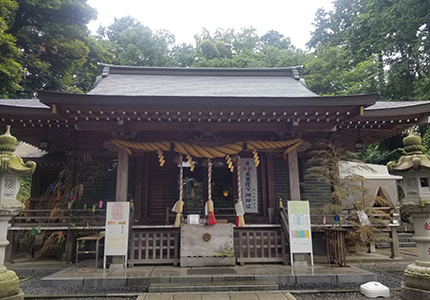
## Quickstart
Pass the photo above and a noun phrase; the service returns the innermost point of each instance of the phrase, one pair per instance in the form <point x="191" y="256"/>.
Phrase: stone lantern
<point x="11" y="167"/>
<point x="415" y="169"/>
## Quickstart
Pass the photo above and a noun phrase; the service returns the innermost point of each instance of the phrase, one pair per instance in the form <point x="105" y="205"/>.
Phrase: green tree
<point x="275" y="39"/>
<point x="333" y="165"/>
<point x="53" y="38"/>
<point x="183" y="55"/>
<point x="245" y="49"/>
<point x="393" y="32"/>
<point x="134" y="44"/>
<point x="330" y="72"/>
<point x="11" y="70"/>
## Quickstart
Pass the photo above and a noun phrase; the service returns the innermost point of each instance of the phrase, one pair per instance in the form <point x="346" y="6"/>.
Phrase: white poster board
<point x="117" y="224"/>
<point x="249" y="185"/>
<point x="300" y="228"/>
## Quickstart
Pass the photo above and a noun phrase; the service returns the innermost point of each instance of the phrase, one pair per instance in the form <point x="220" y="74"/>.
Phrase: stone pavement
<point x="167" y="282"/>
<point x="272" y="295"/>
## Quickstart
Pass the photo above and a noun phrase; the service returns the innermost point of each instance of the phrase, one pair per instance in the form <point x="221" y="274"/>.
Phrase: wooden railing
<point x="59" y="218"/>
<point x="154" y="245"/>
<point x="259" y="244"/>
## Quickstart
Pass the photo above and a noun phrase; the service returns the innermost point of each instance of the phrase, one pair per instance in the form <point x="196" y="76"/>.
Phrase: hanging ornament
<point x="229" y="163"/>
<point x="256" y="159"/>
<point x="190" y="162"/>
<point x="161" y="158"/>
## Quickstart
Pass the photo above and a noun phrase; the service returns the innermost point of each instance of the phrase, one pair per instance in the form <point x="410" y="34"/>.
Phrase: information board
<point x="300" y="228"/>
<point x="249" y="187"/>
<point x="117" y="223"/>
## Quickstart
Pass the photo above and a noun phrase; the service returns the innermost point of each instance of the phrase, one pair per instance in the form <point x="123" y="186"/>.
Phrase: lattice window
<point x="9" y="185"/>
<point x="411" y="184"/>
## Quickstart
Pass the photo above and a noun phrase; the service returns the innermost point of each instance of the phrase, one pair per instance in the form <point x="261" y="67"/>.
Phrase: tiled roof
<point x="395" y="104"/>
<point x="193" y="82"/>
<point x="28" y="103"/>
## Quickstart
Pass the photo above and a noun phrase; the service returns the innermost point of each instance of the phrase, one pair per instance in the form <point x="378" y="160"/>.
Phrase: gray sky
<point x="185" y="18"/>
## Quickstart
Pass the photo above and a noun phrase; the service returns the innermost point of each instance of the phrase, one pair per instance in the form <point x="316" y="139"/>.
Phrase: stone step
<point x="214" y="286"/>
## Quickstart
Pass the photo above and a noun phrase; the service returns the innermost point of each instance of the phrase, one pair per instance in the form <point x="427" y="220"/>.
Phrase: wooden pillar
<point x="122" y="176"/>
<point x="271" y="193"/>
<point x="138" y="187"/>
<point x="264" y="196"/>
<point x="394" y="243"/>
<point x="293" y="172"/>
<point x="121" y="192"/>
<point x="71" y="236"/>
<point x="271" y="181"/>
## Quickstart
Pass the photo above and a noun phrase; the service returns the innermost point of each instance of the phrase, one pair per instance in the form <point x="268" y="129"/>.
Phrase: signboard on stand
<point x="300" y="228"/>
<point x="116" y="235"/>
<point x="249" y="187"/>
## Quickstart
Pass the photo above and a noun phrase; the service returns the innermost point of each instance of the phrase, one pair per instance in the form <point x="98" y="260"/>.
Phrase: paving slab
<point x="281" y="269"/>
<point x="215" y="296"/>
<point x="157" y="297"/>
<point x="271" y="296"/>
<point x="187" y="296"/>
<point x="243" y="296"/>
<point x="327" y="278"/>
<point x="253" y="269"/>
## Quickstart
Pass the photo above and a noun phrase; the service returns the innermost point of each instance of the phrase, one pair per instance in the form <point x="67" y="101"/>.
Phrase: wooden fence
<point x="259" y="244"/>
<point x="154" y="246"/>
<point x="161" y="245"/>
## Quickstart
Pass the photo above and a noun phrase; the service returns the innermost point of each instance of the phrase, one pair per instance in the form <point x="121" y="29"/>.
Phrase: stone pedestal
<point x="417" y="275"/>
<point x="11" y="167"/>
<point x="415" y="169"/>
<point x="205" y="245"/>
<point x="9" y="281"/>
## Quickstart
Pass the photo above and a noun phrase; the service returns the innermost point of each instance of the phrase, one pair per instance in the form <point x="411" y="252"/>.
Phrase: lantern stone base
<point x="417" y="283"/>
<point x="9" y="286"/>
<point x="409" y="293"/>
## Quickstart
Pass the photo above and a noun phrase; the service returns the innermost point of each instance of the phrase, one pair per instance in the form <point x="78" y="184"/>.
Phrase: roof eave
<point x="50" y="98"/>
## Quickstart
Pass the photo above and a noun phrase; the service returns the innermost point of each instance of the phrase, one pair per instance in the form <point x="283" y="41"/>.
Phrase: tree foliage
<point x="349" y="195"/>
<point x="10" y="69"/>
<point x="134" y="44"/>
<point x="245" y="49"/>
<point x="53" y="46"/>
<point x="393" y="33"/>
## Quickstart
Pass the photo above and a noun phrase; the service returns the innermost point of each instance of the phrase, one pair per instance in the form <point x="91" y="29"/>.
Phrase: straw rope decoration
<point x="207" y="152"/>
<point x="209" y="203"/>
<point x="180" y="203"/>
<point x="240" y="220"/>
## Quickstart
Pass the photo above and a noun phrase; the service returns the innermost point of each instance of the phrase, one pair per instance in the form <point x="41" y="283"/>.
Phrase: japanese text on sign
<point x="249" y="189"/>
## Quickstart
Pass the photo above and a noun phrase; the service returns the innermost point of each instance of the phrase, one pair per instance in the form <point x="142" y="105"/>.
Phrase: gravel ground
<point x="388" y="274"/>
<point x="32" y="287"/>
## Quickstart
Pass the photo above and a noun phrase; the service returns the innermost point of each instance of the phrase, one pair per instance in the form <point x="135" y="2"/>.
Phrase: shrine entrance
<point x="196" y="188"/>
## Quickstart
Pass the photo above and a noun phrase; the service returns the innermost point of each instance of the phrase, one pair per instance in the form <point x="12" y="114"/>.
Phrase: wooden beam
<point x="293" y="172"/>
<point x="138" y="186"/>
<point x="271" y="181"/>
<point x="122" y="176"/>
<point x="263" y="166"/>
